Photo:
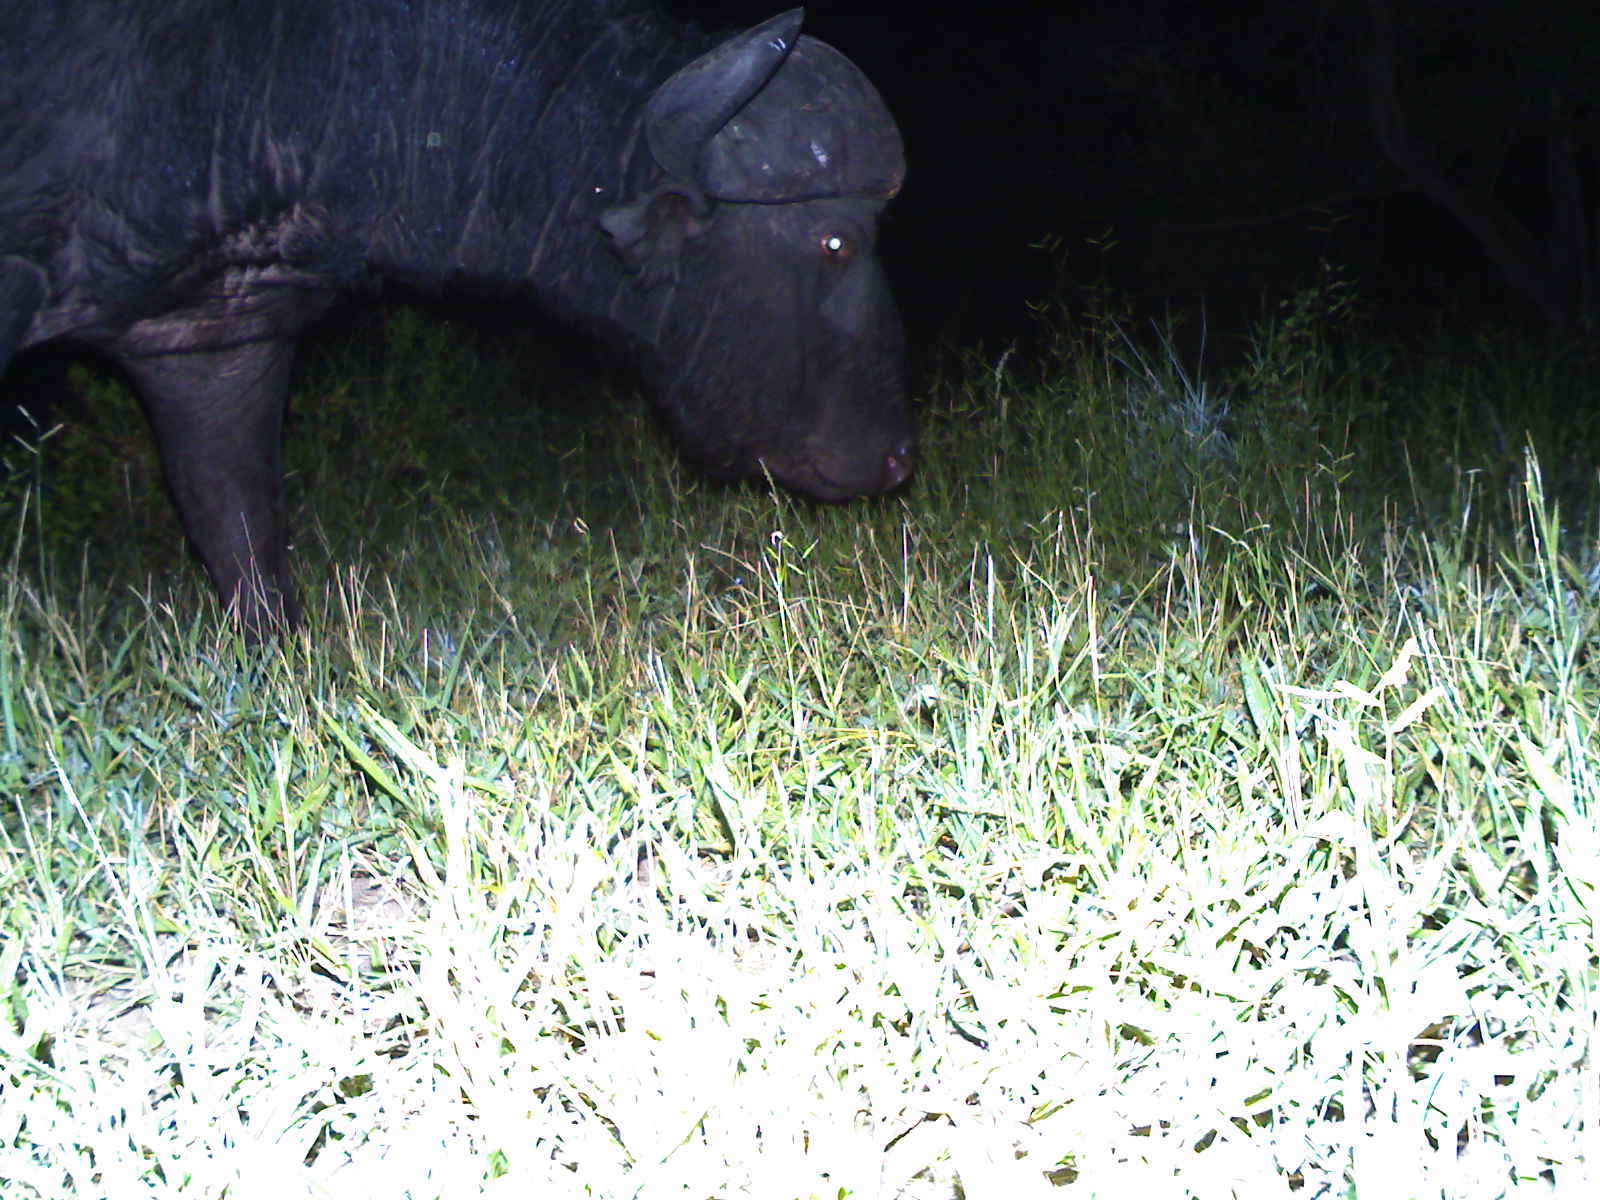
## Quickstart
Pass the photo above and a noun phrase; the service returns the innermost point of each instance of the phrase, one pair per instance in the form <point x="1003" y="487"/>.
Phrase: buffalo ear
<point x="648" y="234"/>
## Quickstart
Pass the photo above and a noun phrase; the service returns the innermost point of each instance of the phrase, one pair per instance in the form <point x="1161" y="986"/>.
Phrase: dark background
<point x="1227" y="153"/>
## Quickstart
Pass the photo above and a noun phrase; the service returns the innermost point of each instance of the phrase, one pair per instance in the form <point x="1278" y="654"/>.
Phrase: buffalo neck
<point x="516" y="134"/>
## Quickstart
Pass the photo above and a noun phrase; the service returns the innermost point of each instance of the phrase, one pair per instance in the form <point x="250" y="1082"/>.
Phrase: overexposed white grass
<point x="953" y="850"/>
<point x="1245" y="1011"/>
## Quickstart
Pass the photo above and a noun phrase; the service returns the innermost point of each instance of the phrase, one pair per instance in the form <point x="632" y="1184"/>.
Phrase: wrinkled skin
<point x="185" y="185"/>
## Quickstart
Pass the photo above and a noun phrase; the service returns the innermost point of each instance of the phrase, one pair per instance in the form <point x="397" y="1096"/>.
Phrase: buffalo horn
<point x="689" y="108"/>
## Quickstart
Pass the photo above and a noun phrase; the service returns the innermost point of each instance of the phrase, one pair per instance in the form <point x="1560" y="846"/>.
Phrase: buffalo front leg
<point x="218" y="418"/>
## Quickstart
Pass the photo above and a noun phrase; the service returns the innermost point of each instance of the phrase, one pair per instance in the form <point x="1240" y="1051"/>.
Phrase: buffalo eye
<point x="836" y="246"/>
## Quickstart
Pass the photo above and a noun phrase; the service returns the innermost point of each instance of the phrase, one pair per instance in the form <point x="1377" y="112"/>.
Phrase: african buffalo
<point x="185" y="185"/>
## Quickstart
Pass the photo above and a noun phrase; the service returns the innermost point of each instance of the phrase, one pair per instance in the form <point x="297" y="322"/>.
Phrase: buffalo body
<point x="185" y="185"/>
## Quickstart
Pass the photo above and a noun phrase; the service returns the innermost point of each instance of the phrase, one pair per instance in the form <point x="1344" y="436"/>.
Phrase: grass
<point x="1189" y="788"/>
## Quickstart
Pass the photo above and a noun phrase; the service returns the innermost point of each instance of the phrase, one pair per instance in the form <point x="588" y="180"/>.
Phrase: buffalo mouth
<point x="829" y="463"/>
<point x="836" y="482"/>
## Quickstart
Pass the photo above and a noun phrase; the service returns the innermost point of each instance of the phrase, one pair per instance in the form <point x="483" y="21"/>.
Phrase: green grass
<point x="1188" y="787"/>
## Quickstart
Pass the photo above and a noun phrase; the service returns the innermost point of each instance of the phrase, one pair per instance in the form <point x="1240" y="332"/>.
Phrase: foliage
<point x="1190" y="784"/>
<point x="1395" y="138"/>
<point x="99" y="486"/>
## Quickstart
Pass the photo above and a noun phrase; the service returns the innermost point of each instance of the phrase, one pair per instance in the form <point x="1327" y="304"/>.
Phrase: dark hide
<point x="186" y="184"/>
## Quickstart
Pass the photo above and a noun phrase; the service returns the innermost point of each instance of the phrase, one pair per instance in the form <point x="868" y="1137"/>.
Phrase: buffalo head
<point x="776" y="348"/>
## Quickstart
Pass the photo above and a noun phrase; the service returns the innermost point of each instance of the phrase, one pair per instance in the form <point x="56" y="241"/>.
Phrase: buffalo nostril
<point x="896" y="467"/>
